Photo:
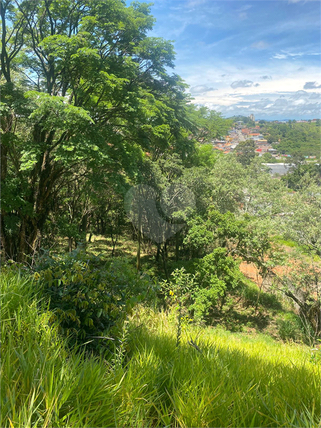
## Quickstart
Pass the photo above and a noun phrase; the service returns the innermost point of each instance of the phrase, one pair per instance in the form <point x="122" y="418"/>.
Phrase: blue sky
<point x="242" y="57"/>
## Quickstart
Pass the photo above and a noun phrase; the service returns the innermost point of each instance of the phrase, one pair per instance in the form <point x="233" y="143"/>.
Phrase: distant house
<point x="245" y="131"/>
<point x="263" y="149"/>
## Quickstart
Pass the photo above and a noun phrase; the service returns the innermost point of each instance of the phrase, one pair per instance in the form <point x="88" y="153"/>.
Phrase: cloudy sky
<point x="242" y="57"/>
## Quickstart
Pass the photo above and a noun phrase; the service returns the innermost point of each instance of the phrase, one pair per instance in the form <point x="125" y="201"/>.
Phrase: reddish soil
<point x="251" y="271"/>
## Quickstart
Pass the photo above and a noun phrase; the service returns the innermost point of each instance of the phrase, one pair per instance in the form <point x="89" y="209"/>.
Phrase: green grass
<point x="42" y="384"/>
<point x="286" y="242"/>
<point x="236" y="379"/>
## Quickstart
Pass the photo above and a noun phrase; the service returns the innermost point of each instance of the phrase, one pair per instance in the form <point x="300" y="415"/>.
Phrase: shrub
<point x="89" y="297"/>
<point x="179" y="291"/>
<point x="217" y="276"/>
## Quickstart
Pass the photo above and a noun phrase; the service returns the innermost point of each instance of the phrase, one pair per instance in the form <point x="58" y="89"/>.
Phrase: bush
<point x="90" y="298"/>
<point x="220" y="275"/>
<point x="217" y="277"/>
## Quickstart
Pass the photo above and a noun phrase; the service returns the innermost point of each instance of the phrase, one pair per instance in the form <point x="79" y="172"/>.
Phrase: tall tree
<point x="98" y="96"/>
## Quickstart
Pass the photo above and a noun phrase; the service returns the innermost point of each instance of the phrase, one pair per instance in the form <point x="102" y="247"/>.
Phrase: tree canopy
<point x="83" y="89"/>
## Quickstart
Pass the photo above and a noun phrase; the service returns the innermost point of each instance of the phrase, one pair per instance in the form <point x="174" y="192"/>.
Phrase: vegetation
<point x="126" y="239"/>
<point x="245" y="152"/>
<point x="245" y="119"/>
<point x="293" y="137"/>
<point x="214" y="378"/>
<point x="89" y="296"/>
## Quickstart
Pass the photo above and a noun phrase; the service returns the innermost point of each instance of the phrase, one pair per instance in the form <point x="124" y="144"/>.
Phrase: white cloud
<point x="299" y="95"/>
<point x="274" y="98"/>
<point x="242" y="16"/>
<point x="311" y="85"/>
<point x="280" y="102"/>
<point x="279" y="56"/>
<point x="315" y="96"/>
<point x="192" y="3"/>
<point x="241" y="84"/>
<point x="293" y="55"/>
<point x="201" y="89"/>
<point x="299" y="1"/>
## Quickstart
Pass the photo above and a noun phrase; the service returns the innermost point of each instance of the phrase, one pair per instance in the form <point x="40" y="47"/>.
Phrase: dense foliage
<point x="293" y="137"/>
<point x="88" y="297"/>
<point x="128" y="236"/>
<point x="84" y="94"/>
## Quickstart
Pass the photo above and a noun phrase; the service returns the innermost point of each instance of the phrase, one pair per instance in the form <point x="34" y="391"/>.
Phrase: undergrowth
<point x="213" y="379"/>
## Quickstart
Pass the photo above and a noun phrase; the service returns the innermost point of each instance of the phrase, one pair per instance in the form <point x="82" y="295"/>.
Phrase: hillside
<point x="293" y="137"/>
<point x="214" y="378"/>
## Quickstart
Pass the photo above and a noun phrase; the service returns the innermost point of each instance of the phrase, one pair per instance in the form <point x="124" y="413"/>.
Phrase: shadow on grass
<point x="251" y="389"/>
<point x="236" y="321"/>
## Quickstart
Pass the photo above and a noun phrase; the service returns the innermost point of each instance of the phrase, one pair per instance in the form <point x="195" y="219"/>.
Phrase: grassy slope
<point x="235" y="381"/>
<point x="271" y="316"/>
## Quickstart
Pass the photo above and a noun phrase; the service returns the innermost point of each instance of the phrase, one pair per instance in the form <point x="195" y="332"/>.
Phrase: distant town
<point x="243" y="132"/>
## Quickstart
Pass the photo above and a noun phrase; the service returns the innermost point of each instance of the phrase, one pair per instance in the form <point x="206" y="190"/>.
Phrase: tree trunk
<point x="164" y="256"/>
<point x="158" y="252"/>
<point x="177" y="247"/>
<point x="139" y="236"/>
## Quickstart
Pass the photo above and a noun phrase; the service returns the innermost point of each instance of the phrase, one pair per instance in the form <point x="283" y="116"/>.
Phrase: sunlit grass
<point x="235" y="380"/>
<point x="232" y="380"/>
<point x="43" y="384"/>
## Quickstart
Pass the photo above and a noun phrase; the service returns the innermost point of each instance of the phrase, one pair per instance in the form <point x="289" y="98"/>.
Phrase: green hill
<point x="293" y="137"/>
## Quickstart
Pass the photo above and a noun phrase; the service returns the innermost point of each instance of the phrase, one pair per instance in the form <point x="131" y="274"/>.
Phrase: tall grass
<point x="232" y="380"/>
<point x="43" y="385"/>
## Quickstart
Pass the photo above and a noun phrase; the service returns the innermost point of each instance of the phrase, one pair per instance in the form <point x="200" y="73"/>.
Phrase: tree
<point x="98" y="96"/>
<point x="300" y="175"/>
<point x="209" y="124"/>
<point x="219" y="276"/>
<point x="205" y="156"/>
<point x="267" y="157"/>
<point x="245" y="152"/>
<point x="301" y="283"/>
<point x="228" y="180"/>
<point x="302" y="222"/>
